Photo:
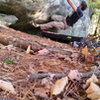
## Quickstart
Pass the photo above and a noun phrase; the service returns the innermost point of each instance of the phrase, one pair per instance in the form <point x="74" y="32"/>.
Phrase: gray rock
<point x="7" y="20"/>
<point x="81" y="27"/>
<point x="39" y="11"/>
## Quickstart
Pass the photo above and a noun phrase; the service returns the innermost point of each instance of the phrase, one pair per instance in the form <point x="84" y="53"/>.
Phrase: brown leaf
<point x="42" y="52"/>
<point x="94" y="95"/>
<point x="73" y="74"/>
<point x="92" y="88"/>
<point x="92" y="79"/>
<point x="28" y="49"/>
<point x="41" y="91"/>
<point x="59" y="86"/>
<point x="93" y="92"/>
<point x="7" y="86"/>
<point x="90" y="58"/>
<point x="85" y="52"/>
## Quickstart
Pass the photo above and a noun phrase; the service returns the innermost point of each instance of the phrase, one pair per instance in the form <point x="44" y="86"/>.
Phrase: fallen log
<point x="23" y="40"/>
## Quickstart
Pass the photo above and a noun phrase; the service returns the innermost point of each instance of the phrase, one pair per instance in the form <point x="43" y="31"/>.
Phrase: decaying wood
<point x="23" y="40"/>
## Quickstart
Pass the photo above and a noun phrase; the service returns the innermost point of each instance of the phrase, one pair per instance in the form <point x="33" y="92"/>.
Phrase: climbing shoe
<point x="35" y="25"/>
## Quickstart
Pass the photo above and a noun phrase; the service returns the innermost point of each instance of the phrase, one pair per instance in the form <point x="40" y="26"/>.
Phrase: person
<point x="61" y="22"/>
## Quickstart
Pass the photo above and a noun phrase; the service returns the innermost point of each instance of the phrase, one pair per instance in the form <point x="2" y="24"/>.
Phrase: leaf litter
<point x="17" y="64"/>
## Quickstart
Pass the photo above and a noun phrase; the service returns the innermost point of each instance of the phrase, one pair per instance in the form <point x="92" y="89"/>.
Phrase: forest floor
<point x="18" y="64"/>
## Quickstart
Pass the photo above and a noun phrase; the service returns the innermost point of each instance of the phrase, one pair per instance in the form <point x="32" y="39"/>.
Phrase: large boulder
<point x="7" y="20"/>
<point x="81" y="27"/>
<point x="39" y="11"/>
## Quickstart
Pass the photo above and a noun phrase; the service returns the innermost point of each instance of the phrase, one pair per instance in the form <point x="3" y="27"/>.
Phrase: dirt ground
<point x="16" y="65"/>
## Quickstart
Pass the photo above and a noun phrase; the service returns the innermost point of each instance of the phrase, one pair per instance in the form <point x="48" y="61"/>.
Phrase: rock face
<point x="80" y="28"/>
<point x="39" y="11"/>
<point x="7" y="20"/>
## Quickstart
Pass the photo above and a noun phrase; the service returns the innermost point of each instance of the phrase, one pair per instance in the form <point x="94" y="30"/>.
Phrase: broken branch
<point x="44" y="75"/>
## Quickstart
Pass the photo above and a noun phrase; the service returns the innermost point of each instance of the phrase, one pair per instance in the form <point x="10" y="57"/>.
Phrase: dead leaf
<point x="42" y="52"/>
<point x="45" y="81"/>
<point x="1" y="46"/>
<point x="93" y="67"/>
<point x="94" y="95"/>
<point x="41" y="91"/>
<point x="7" y="86"/>
<point x="59" y="86"/>
<point x="90" y="58"/>
<point x="92" y="79"/>
<point x="85" y="52"/>
<point x="10" y="48"/>
<point x="93" y="92"/>
<point x="6" y="66"/>
<point x="28" y="49"/>
<point x="31" y="70"/>
<point x="92" y="88"/>
<point x="74" y="74"/>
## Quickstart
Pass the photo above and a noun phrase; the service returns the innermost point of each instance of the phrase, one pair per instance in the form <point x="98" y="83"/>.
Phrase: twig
<point x="78" y="97"/>
<point x="88" y="74"/>
<point x="67" y="92"/>
<point x="97" y="68"/>
<point x="44" y="75"/>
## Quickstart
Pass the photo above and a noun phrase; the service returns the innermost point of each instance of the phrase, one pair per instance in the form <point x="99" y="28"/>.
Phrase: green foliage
<point x="8" y="61"/>
<point x="94" y="3"/>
